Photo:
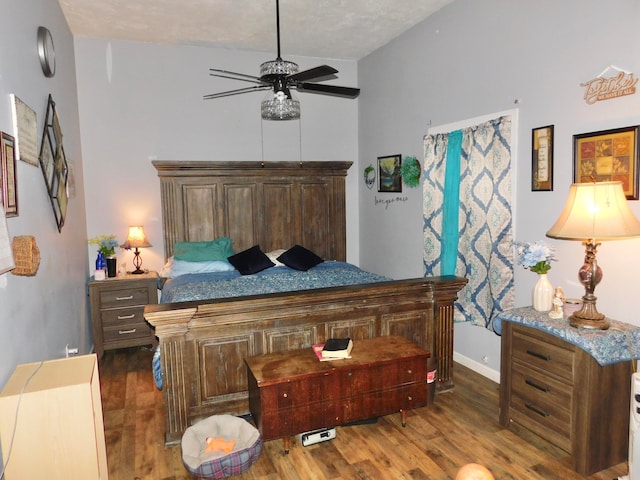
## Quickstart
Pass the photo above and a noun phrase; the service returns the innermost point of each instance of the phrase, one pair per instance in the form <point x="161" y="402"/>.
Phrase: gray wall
<point x="40" y="315"/>
<point x="475" y="58"/>
<point x="140" y="102"/>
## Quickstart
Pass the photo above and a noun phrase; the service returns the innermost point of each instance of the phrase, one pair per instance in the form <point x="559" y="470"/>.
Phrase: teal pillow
<point x="219" y="249"/>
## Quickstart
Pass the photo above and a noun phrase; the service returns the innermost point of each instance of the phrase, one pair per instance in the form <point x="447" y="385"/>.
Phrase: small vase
<point x="101" y="263"/>
<point x="543" y="294"/>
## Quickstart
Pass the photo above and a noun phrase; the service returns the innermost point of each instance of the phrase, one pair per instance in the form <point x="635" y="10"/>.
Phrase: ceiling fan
<point x="282" y="76"/>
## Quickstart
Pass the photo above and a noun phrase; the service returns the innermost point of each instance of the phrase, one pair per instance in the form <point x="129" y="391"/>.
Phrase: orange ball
<point x="473" y="471"/>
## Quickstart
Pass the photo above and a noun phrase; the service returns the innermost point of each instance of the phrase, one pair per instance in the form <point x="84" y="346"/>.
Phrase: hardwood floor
<point x="461" y="427"/>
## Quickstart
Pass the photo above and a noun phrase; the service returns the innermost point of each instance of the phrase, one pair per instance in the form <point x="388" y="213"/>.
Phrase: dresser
<point x="117" y="311"/>
<point x="293" y="392"/>
<point x="557" y="390"/>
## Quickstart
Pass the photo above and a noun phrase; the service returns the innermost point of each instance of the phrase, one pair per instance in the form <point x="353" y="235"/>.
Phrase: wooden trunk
<point x="293" y="392"/>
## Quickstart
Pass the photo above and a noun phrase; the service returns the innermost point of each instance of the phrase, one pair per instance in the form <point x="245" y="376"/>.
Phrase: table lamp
<point x="593" y="212"/>
<point x="136" y="239"/>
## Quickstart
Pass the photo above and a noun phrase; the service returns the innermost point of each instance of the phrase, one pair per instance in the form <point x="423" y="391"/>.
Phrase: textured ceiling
<point x="340" y="29"/>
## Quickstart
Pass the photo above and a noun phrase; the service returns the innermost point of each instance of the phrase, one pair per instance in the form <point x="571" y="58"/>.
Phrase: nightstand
<point x="570" y="386"/>
<point x="117" y="311"/>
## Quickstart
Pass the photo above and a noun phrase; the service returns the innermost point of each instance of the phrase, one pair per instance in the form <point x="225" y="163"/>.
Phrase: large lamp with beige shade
<point x="594" y="212"/>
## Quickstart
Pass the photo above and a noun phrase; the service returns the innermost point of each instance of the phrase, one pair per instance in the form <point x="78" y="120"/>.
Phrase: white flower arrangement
<point x="536" y="256"/>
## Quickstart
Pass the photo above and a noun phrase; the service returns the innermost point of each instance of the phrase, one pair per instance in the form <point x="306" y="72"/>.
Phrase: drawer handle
<point x="125" y="332"/>
<point x="129" y="297"/>
<point x="546" y="358"/>
<point x="126" y="317"/>
<point x="535" y="385"/>
<point x="539" y="411"/>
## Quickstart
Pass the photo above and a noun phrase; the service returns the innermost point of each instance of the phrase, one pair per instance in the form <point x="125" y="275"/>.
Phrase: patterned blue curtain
<point x="481" y="239"/>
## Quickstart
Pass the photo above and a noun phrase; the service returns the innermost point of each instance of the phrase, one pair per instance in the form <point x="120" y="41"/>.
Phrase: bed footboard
<point x="204" y="343"/>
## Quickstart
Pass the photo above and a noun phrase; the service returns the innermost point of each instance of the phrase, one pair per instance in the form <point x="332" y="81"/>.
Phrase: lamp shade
<point x="597" y="211"/>
<point x="136" y="239"/>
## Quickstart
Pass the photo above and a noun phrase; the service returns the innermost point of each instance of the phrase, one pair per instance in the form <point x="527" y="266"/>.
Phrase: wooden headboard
<point x="271" y="204"/>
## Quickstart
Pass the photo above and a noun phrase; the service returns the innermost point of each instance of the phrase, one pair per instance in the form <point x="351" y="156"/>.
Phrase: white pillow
<point x="175" y="268"/>
<point x="273" y="256"/>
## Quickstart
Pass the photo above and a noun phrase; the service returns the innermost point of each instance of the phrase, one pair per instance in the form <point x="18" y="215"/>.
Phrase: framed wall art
<point x="53" y="164"/>
<point x="542" y="159"/>
<point x="26" y="131"/>
<point x="608" y="155"/>
<point x="389" y="176"/>
<point x="9" y="185"/>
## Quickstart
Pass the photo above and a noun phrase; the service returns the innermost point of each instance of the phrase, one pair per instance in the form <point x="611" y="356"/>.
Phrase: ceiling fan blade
<point x="328" y="89"/>
<point x="316" y="72"/>
<point x="234" y="75"/>
<point x="238" y="91"/>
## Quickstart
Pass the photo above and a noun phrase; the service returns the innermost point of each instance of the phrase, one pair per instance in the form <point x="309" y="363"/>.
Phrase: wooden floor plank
<point x="461" y="427"/>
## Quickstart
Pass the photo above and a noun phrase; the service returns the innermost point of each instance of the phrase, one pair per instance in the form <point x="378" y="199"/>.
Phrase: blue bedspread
<point x="202" y="286"/>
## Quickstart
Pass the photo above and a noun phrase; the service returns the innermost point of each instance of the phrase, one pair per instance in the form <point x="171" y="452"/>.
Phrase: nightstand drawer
<point x="124" y="297"/>
<point x="541" y="389"/>
<point x="127" y="332"/>
<point x="555" y="427"/>
<point x="122" y="316"/>
<point x="545" y="352"/>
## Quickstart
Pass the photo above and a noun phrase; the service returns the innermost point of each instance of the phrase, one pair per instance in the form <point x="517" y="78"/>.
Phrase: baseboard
<point x="477" y="367"/>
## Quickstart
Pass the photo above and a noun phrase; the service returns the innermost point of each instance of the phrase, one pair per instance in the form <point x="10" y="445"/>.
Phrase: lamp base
<point x="588" y="316"/>
<point x="137" y="262"/>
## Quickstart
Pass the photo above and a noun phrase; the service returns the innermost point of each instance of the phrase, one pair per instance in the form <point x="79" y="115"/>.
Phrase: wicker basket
<point x="26" y="255"/>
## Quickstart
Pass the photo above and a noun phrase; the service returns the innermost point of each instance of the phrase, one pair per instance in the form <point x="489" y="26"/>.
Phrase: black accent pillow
<point x="250" y="261"/>
<point x="300" y="258"/>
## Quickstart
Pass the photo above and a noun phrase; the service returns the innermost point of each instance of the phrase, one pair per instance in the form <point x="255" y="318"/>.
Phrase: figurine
<point x="558" y="302"/>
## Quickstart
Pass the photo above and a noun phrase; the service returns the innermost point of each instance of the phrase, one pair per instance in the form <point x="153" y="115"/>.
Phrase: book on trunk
<point x="337" y="348"/>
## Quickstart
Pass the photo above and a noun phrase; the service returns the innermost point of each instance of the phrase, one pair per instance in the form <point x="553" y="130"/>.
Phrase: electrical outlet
<point x="70" y="351"/>
<point x="485" y="359"/>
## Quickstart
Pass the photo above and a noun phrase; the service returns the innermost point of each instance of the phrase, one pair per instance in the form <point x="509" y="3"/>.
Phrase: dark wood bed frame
<point x="275" y="205"/>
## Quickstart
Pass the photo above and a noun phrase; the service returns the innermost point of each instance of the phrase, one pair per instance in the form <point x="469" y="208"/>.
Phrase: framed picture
<point x="26" y="131"/>
<point x="389" y="176"/>
<point x="53" y="164"/>
<point x="608" y="155"/>
<point x="542" y="159"/>
<point x="9" y="185"/>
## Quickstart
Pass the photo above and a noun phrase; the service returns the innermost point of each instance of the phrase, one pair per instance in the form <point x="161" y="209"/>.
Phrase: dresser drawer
<point x="540" y="388"/>
<point x="545" y="352"/>
<point x="412" y="370"/>
<point x="124" y="297"/>
<point x="122" y="316"/>
<point x="133" y="331"/>
<point x="552" y="425"/>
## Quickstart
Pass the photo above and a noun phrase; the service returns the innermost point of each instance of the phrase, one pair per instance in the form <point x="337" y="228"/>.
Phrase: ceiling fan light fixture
<point x="280" y="107"/>
<point x="278" y="67"/>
